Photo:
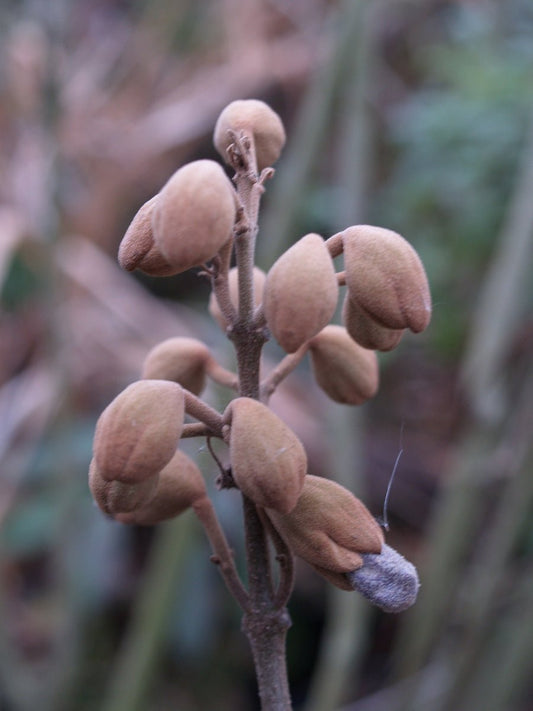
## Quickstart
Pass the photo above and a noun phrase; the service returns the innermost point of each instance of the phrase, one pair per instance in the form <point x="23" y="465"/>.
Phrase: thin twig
<point x="223" y="557"/>
<point x="281" y="371"/>
<point x="201" y="411"/>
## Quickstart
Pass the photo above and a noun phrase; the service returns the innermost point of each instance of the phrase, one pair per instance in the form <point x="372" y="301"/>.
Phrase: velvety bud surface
<point x="329" y="527"/>
<point x="268" y="461"/>
<point x="346" y="371"/>
<point x="180" y="484"/>
<point x="138" y="432"/>
<point x="257" y="120"/>
<point x="194" y="214"/>
<point x="301" y="293"/>
<point x="259" y="278"/>
<point x="116" y="497"/>
<point x="366" y="331"/>
<point x="182" y="360"/>
<point x="138" y="250"/>
<point x="386" y="278"/>
<point x="387" y="580"/>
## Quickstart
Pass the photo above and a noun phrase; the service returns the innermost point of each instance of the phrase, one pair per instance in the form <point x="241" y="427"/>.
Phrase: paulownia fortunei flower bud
<point x="194" y="214"/>
<point x="329" y="527"/>
<point x="259" y="278"/>
<point x="346" y="371"/>
<point x="138" y="432"/>
<point x="115" y="497"/>
<point x="258" y="121"/>
<point x="366" y="331"/>
<point x="268" y="461"/>
<point x="386" y="278"/>
<point x="138" y="249"/>
<point x="301" y="293"/>
<point x="387" y="580"/>
<point x="179" y="485"/>
<point x="182" y="360"/>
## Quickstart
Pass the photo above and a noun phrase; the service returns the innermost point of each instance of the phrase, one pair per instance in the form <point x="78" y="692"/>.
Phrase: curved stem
<point x="221" y="375"/>
<point x="200" y="411"/>
<point x="223" y="556"/>
<point x="196" y="429"/>
<point x="280" y="372"/>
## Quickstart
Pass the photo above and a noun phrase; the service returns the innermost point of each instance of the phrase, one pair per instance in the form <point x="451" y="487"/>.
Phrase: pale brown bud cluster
<point x="268" y="461"/>
<point x="199" y="219"/>
<point x="388" y="291"/>
<point x="136" y="474"/>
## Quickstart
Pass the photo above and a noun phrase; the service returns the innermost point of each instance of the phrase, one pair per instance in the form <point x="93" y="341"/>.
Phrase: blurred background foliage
<point x="417" y="116"/>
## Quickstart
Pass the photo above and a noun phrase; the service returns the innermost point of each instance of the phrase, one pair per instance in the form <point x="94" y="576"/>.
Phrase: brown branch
<point x="201" y="411"/>
<point x="281" y="371"/>
<point x="223" y="556"/>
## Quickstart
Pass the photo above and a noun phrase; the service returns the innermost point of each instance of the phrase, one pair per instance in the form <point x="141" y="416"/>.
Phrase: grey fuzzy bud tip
<point x="387" y="580"/>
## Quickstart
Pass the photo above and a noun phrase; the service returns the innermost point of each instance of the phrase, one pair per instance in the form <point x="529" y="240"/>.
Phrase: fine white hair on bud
<point x="386" y="579"/>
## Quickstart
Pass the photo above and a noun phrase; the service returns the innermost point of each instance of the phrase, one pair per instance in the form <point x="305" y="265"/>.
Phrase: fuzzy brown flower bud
<point x="179" y="485"/>
<point x="182" y="360"/>
<point x="115" y="497"/>
<point x="386" y="278"/>
<point x="257" y="120"/>
<point x="268" y="461"/>
<point x="138" y="250"/>
<point x="138" y="432"/>
<point x="259" y="278"/>
<point x="194" y="214"/>
<point x="366" y="331"/>
<point x="346" y="371"/>
<point x="329" y="527"/>
<point x="387" y="580"/>
<point x="301" y="293"/>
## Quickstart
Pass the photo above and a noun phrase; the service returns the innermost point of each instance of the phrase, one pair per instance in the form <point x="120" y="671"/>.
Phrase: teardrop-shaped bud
<point x="138" y="250"/>
<point x="259" y="278"/>
<point x="346" y="371"/>
<point x="268" y="461"/>
<point x="301" y="293"/>
<point x="194" y="214"/>
<point x="329" y="527"/>
<point x="182" y="360"/>
<point x="386" y="278"/>
<point x="138" y="432"/>
<point x="115" y="497"/>
<point x="179" y="485"/>
<point x="257" y="120"/>
<point x="366" y="331"/>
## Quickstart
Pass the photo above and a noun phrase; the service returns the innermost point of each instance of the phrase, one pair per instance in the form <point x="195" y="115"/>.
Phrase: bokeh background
<point x="414" y="115"/>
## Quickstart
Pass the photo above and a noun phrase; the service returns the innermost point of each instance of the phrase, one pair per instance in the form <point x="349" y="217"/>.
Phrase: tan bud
<point x="182" y="360"/>
<point x="268" y="461"/>
<point x="329" y="527"/>
<point x="257" y="120"/>
<point x="138" y="432"/>
<point x="301" y="293"/>
<point x="194" y="214"/>
<point x="386" y="278"/>
<point x="366" y="331"/>
<point x="346" y="371"/>
<point x="115" y="497"/>
<point x="138" y="250"/>
<point x="259" y="278"/>
<point x="180" y="484"/>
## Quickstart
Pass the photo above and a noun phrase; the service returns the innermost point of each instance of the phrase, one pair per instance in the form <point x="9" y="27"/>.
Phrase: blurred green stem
<point x="134" y="670"/>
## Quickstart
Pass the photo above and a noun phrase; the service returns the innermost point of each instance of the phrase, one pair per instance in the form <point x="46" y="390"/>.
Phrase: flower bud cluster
<point x="136" y="471"/>
<point x="138" y="475"/>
